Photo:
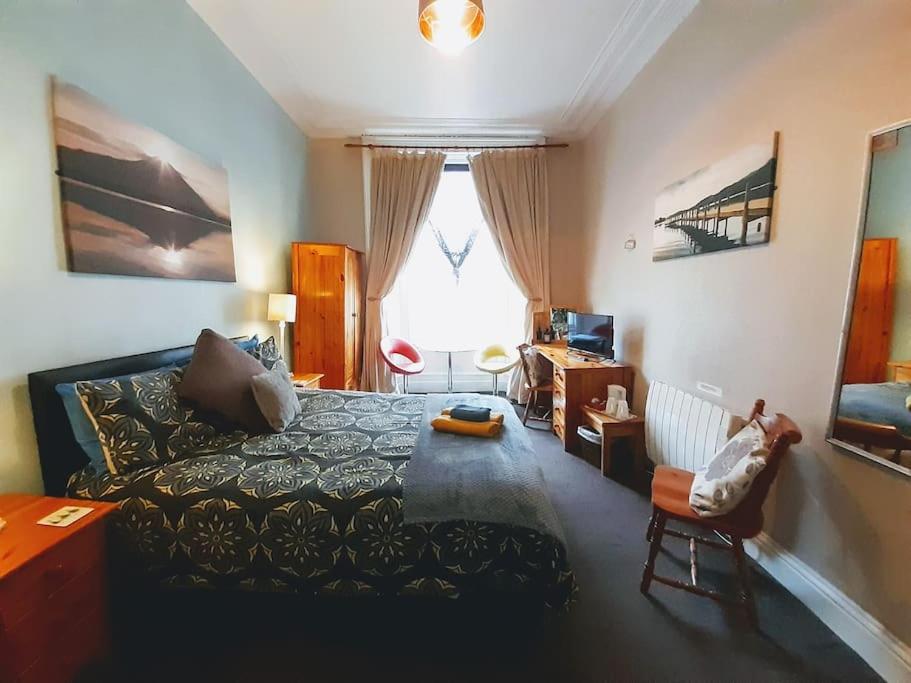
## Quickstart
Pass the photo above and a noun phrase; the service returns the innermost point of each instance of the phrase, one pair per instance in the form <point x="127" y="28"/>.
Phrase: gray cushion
<point x="266" y="353"/>
<point x="275" y="396"/>
<point x="218" y="380"/>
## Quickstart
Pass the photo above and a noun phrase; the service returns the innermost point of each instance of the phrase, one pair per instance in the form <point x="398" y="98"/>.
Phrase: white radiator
<point x="683" y="430"/>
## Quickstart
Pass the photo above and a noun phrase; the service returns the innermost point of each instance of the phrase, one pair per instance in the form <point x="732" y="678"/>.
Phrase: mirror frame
<point x="849" y="310"/>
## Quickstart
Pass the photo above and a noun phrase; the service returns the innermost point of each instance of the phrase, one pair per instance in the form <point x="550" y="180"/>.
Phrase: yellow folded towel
<point x="444" y="423"/>
<point x="494" y="417"/>
<point x="907" y="404"/>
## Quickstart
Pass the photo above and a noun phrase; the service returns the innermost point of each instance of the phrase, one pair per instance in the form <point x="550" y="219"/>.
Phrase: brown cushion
<point x="218" y="380"/>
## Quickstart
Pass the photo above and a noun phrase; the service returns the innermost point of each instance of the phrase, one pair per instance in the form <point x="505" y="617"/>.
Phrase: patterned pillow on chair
<point x="141" y="421"/>
<point x="266" y="353"/>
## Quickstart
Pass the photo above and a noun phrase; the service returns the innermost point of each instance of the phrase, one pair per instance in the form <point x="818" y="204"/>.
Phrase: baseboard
<point x="886" y="654"/>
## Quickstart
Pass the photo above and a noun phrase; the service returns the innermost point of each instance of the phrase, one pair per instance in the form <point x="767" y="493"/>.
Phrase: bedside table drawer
<point x="52" y="624"/>
<point x="32" y="585"/>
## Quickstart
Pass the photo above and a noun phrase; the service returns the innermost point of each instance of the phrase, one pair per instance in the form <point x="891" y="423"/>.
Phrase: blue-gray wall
<point x="156" y="63"/>
<point x="889" y="215"/>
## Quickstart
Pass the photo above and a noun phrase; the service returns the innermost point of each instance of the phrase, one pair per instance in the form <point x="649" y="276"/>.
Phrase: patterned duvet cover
<point x="317" y="510"/>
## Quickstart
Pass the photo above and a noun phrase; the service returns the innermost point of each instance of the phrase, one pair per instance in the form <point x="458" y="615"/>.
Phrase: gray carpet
<point x="612" y="633"/>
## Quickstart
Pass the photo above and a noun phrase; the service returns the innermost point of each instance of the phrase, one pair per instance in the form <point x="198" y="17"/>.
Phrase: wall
<point x="337" y="193"/>
<point x="763" y="321"/>
<point x="889" y="215"/>
<point x="158" y="64"/>
<point x="566" y="217"/>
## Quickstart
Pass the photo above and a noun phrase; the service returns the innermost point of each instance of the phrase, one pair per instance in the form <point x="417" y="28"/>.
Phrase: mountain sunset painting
<point x="133" y="201"/>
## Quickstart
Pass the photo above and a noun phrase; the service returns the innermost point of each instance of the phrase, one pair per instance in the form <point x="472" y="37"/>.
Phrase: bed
<point x="322" y="508"/>
<point x="875" y="416"/>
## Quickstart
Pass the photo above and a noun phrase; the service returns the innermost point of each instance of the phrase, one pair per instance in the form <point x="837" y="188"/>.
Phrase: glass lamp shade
<point x="282" y="308"/>
<point x="451" y="25"/>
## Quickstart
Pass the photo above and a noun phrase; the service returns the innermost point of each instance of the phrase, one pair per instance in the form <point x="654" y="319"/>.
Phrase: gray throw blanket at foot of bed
<point x="498" y="480"/>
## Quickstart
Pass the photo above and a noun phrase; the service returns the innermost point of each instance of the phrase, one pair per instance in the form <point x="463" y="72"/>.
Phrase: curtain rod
<point x="455" y="148"/>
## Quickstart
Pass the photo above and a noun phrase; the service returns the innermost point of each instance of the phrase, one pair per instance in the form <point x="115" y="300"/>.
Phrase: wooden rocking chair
<point x="670" y="500"/>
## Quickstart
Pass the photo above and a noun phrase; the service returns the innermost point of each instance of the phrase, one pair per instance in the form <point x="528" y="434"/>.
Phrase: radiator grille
<point x="682" y="430"/>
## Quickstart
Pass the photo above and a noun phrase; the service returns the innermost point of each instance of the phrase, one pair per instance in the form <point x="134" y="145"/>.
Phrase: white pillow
<point x="723" y="482"/>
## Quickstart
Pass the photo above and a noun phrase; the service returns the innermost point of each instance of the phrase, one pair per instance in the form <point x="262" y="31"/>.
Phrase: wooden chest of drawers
<point x="53" y="591"/>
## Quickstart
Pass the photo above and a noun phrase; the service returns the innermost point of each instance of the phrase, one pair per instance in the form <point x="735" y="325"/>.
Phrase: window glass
<point x="440" y="312"/>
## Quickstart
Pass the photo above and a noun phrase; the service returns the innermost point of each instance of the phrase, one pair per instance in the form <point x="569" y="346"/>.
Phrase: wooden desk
<point x="610" y="428"/>
<point x="577" y="382"/>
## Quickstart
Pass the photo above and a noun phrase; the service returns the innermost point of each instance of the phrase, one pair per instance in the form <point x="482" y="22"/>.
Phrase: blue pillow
<point x="83" y="429"/>
<point x="249" y="344"/>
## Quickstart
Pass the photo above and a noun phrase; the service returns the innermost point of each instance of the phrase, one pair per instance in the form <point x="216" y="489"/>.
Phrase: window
<point x="454" y="301"/>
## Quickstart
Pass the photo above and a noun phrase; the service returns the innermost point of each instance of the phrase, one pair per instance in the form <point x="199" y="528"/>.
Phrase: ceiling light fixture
<point x="451" y="25"/>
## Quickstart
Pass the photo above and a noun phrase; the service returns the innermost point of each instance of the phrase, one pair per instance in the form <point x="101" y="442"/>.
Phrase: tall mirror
<point x="872" y="407"/>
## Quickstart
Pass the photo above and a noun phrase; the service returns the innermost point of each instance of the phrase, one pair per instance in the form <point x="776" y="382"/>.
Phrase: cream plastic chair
<point x="496" y="359"/>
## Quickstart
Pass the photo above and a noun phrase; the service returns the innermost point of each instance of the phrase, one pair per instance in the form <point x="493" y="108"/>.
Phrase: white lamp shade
<point x="282" y="308"/>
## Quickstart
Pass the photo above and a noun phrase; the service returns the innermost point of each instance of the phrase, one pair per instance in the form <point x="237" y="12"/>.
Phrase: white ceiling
<point x="353" y="67"/>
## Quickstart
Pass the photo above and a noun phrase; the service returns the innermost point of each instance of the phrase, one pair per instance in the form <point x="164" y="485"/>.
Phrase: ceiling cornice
<point x="645" y="26"/>
<point x="401" y="126"/>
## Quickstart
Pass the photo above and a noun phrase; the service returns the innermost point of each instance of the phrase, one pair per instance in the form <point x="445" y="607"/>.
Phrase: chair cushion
<point x="540" y="369"/>
<point x="496" y="365"/>
<point x="218" y="380"/>
<point x="671" y="494"/>
<point x="403" y="365"/>
<point x="722" y="483"/>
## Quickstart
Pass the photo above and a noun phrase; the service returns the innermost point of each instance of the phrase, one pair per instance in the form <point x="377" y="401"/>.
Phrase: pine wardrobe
<point x="328" y="332"/>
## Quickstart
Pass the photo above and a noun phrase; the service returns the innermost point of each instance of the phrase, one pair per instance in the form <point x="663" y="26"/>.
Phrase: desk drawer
<point x="559" y="397"/>
<point x="559" y="377"/>
<point x="559" y="429"/>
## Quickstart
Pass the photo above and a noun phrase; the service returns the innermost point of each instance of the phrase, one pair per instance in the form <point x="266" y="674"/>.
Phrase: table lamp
<point x="282" y="309"/>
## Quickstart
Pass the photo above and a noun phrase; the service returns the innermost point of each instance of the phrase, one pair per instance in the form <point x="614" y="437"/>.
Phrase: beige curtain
<point x="402" y="186"/>
<point x="512" y="190"/>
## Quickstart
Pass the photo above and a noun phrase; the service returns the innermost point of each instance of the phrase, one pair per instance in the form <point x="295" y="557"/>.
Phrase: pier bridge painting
<point x="727" y="205"/>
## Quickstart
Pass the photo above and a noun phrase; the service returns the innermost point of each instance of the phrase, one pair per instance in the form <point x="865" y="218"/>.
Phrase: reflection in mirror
<point x="874" y="405"/>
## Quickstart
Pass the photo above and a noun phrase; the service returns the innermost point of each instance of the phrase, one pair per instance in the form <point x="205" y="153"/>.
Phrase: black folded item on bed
<point x="470" y="413"/>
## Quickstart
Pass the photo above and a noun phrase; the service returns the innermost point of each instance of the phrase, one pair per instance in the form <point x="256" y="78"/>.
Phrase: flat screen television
<point x="591" y="334"/>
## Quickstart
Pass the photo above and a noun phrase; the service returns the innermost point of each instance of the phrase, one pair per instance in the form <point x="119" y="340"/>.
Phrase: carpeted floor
<point x="612" y="633"/>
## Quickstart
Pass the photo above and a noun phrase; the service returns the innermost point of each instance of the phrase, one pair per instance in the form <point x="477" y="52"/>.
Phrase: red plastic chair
<point x="402" y="358"/>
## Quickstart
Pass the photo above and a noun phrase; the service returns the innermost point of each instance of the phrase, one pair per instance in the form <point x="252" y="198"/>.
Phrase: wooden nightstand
<point x="307" y="380"/>
<point x="611" y="428"/>
<point x="899" y="370"/>
<point x="54" y="618"/>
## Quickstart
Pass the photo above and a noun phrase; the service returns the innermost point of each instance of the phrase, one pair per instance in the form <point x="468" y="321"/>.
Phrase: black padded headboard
<point x="58" y="450"/>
